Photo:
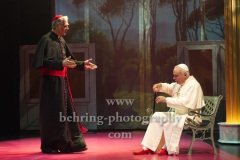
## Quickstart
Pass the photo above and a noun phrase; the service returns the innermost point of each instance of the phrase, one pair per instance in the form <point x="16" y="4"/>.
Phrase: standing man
<point x="54" y="58"/>
<point x="165" y="128"/>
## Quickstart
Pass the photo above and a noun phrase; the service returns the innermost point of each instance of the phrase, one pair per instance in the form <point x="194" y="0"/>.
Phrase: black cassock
<point x="56" y="103"/>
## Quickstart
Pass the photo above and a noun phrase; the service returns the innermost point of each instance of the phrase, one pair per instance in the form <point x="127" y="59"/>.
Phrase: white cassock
<point x="184" y="98"/>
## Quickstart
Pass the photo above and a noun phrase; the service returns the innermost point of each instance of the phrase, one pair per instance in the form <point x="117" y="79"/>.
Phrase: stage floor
<point x="108" y="145"/>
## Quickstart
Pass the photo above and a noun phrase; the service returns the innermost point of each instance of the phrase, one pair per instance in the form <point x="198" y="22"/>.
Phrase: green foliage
<point x="78" y="2"/>
<point x="112" y="7"/>
<point x="104" y="53"/>
<point x="77" y="32"/>
<point x="166" y="59"/>
<point x="214" y="9"/>
<point x="193" y="18"/>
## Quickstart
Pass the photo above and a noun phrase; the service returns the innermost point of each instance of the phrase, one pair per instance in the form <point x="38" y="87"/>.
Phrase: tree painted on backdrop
<point x="118" y="15"/>
<point x="179" y="8"/>
<point x="211" y="17"/>
<point x="206" y="15"/>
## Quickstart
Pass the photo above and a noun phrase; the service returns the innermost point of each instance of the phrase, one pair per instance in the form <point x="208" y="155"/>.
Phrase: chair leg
<point x="193" y="139"/>
<point x="213" y="143"/>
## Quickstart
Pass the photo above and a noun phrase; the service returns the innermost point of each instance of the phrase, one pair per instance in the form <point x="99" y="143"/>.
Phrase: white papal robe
<point x="184" y="98"/>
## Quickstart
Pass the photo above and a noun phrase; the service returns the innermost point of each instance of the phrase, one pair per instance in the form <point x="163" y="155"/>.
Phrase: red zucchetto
<point x="57" y="17"/>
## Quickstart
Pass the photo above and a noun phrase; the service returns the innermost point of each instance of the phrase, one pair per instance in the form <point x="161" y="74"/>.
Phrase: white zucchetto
<point x="184" y="67"/>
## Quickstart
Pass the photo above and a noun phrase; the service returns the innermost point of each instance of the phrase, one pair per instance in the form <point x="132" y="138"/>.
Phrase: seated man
<point x="165" y="128"/>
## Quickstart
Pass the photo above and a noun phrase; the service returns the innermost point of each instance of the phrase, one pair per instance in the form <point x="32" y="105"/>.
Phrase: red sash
<point x="51" y="72"/>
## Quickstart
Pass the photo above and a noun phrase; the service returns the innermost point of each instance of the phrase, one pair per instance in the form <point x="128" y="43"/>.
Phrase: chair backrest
<point x="212" y="105"/>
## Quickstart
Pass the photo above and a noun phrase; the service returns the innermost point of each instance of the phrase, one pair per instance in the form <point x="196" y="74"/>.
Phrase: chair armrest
<point x="196" y="113"/>
<point x="203" y="116"/>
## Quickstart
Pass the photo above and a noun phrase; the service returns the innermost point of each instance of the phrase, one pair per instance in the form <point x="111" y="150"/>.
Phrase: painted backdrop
<point x="135" y="44"/>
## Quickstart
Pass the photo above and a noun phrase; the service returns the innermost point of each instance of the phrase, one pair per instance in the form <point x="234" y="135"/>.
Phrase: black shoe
<point x="83" y="149"/>
<point x="71" y="150"/>
<point x="50" y="151"/>
<point x="80" y="149"/>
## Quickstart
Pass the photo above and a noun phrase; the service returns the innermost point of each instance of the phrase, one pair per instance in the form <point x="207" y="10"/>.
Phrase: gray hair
<point x="59" y="21"/>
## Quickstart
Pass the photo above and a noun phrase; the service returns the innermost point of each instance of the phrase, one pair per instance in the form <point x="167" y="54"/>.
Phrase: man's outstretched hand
<point x="89" y="65"/>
